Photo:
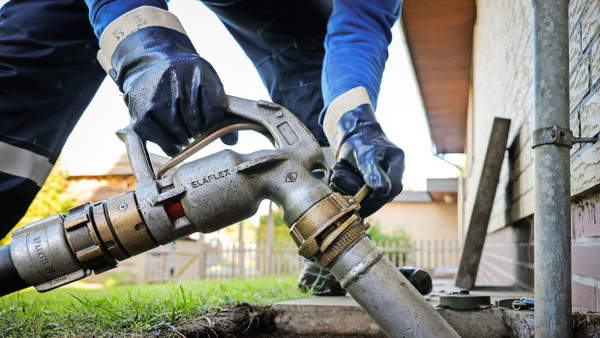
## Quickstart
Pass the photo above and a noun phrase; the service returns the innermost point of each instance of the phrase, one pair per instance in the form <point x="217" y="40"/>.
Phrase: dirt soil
<point x="246" y="320"/>
<point x="241" y="320"/>
<point x="586" y="324"/>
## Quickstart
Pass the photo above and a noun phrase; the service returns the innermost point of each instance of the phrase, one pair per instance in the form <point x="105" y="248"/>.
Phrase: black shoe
<point x="318" y="280"/>
<point x="420" y="279"/>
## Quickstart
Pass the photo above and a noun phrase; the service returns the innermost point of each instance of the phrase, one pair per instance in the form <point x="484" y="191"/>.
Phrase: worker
<point x="321" y="59"/>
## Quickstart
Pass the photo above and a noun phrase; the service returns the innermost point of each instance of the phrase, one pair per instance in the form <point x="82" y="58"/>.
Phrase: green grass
<point x="126" y="310"/>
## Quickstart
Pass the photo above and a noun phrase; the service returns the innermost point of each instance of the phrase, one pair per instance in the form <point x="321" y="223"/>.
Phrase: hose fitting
<point x="61" y="249"/>
<point x="101" y="235"/>
<point x="328" y="228"/>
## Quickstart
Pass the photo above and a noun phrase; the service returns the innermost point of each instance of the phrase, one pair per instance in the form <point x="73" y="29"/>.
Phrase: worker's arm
<point x="103" y="12"/>
<point x="172" y="93"/>
<point x="358" y="35"/>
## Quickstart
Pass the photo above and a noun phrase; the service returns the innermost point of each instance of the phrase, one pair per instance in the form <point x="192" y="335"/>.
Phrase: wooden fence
<point x="188" y="260"/>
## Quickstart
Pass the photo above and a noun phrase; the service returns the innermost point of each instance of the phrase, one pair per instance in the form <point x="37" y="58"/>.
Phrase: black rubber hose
<point x="10" y="281"/>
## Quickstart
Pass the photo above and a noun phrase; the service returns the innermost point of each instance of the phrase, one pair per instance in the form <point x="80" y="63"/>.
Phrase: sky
<point x="399" y="109"/>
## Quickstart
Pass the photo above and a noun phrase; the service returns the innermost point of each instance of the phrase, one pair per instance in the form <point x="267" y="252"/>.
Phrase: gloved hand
<point x="364" y="155"/>
<point x="172" y="93"/>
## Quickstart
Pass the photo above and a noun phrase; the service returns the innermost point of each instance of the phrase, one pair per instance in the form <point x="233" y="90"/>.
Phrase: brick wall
<point x="584" y="57"/>
<point x="503" y="86"/>
<point x="508" y="257"/>
<point x="585" y="251"/>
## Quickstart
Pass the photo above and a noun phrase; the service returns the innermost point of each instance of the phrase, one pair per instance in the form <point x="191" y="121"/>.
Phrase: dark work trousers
<point x="49" y="74"/>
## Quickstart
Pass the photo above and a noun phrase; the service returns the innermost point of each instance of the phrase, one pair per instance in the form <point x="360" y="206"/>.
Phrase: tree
<point x="51" y="199"/>
<point x="281" y="230"/>
<point x="400" y="236"/>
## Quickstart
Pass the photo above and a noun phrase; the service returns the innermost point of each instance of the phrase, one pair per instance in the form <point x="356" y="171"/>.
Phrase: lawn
<point x="133" y="309"/>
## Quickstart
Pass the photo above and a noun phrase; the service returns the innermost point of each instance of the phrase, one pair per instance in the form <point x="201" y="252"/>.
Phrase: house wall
<point x="503" y="86"/>
<point x="584" y="62"/>
<point x="98" y="188"/>
<point x="421" y="220"/>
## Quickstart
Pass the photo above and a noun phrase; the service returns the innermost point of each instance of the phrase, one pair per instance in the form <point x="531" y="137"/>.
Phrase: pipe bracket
<point x="552" y="135"/>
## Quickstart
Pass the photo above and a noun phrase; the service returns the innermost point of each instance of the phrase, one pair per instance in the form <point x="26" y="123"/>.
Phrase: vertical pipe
<point x="552" y="213"/>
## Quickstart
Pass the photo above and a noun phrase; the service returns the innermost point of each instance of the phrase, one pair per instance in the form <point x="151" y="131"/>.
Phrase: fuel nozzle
<point x="202" y="195"/>
<point x="210" y="193"/>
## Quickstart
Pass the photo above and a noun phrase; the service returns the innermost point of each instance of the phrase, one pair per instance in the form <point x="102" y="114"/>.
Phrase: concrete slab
<point x="445" y="287"/>
<point x="342" y="316"/>
<point x="332" y="316"/>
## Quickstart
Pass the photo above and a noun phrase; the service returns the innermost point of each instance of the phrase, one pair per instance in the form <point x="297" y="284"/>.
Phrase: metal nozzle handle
<point x="213" y="133"/>
<point x="362" y="193"/>
<point x="286" y="131"/>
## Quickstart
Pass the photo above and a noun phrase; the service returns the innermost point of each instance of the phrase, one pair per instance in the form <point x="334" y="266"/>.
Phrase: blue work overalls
<point x="49" y="74"/>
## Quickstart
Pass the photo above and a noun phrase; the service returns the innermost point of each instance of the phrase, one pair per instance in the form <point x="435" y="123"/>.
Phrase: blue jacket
<point x="358" y="34"/>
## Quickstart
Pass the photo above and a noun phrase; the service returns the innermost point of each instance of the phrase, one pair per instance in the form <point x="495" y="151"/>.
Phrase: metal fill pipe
<point x="552" y="210"/>
<point x="387" y="296"/>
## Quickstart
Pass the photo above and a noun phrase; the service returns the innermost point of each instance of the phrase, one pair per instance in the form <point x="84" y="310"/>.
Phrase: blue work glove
<point x="364" y="155"/>
<point x="172" y="93"/>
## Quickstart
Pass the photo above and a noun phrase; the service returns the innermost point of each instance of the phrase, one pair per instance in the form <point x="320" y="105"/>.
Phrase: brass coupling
<point x="103" y="234"/>
<point x="329" y="227"/>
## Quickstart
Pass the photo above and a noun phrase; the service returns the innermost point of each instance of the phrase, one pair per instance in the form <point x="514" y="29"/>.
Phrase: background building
<point x="486" y="48"/>
<point x="422" y="215"/>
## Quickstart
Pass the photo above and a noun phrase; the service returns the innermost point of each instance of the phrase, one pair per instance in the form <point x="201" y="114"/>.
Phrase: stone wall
<point x="503" y="86"/>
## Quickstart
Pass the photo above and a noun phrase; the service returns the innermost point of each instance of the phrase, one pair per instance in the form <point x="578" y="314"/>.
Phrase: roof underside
<point x="439" y="35"/>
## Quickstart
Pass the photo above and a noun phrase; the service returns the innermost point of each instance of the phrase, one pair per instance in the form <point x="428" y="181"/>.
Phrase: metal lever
<point x="361" y="194"/>
<point x="139" y="158"/>
<point x="213" y="133"/>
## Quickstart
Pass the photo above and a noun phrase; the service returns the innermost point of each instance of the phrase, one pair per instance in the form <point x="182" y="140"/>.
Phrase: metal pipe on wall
<point x="551" y="141"/>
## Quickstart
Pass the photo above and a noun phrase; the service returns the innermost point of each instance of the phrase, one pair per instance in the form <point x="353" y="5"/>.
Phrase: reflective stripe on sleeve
<point x="347" y="101"/>
<point x="130" y="22"/>
<point x="24" y="163"/>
